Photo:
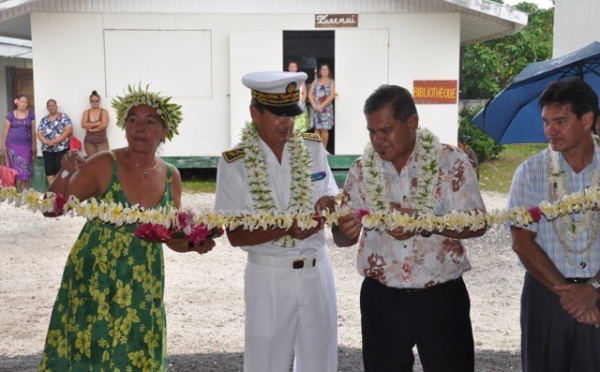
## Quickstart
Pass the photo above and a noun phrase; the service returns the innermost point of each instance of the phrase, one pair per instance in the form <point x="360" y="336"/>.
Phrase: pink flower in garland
<point x="317" y="217"/>
<point x="153" y="233"/>
<point x="536" y="213"/>
<point x="59" y="204"/>
<point x="362" y="213"/>
<point x="195" y="234"/>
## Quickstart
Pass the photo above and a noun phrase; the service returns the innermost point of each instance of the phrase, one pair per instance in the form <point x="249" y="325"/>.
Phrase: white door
<point x="250" y="51"/>
<point x="361" y="65"/>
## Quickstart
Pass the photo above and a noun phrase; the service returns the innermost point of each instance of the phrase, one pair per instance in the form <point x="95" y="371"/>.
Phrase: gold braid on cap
<point x="291" y="96"/>
<point x="169" y="112"/>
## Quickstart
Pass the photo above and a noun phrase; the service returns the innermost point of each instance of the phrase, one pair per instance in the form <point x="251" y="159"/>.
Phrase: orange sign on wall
<point x="435" y="91"/>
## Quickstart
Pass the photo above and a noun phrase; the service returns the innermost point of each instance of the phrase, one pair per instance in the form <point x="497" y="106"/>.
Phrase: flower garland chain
<point x="116" y="213"/>
<point x="557" y="181"/>
<point x="429" y="151"/>
<point x="255" y="164"/>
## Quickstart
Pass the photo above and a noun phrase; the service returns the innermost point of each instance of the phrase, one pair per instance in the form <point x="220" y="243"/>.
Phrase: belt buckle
<point x="299" y="264"/>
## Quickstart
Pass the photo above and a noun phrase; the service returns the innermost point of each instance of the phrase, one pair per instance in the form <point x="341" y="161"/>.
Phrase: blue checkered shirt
<point x="530" y="187"/>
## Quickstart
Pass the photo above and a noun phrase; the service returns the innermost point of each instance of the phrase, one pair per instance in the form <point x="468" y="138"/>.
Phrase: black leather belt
<point x="300" y="264"/>
<point x="577" y="280"/>
<point x="432" y="288"/>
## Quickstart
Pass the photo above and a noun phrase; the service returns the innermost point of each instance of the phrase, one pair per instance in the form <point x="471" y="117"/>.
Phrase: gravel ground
<point x="204" y="295"/>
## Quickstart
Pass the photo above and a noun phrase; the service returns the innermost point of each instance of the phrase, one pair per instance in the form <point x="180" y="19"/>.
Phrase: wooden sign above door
<point x="336" y="20"/>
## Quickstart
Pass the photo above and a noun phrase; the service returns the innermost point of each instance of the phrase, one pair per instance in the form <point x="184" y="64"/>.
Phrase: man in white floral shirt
<point x="413" y="292"/>
<point x="289" y="290"/>
<point x="560" y="310"/>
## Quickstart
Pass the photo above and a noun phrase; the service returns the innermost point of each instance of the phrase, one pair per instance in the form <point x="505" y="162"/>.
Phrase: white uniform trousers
<point x="290" y="312"/>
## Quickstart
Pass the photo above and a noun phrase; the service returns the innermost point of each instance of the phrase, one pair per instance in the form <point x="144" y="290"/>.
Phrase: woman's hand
<point x="72" y="161"/>
<point x="182" y="245"/>
<point x="204" y="247"/>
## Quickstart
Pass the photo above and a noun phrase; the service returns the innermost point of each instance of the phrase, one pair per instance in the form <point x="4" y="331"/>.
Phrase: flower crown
<point x="170" y="113"/>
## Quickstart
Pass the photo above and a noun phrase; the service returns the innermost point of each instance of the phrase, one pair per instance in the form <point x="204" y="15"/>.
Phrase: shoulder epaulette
<point x="233" y="154"/>
<point x="311" y="137"/>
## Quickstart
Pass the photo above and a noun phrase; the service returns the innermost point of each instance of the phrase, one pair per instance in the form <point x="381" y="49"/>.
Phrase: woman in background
<point x="54" y="132"/>
<point x="95" y="120"/>
<point x="321" y="96"/>
<point x="301" y="121"/>
<point x="18" y="141"/>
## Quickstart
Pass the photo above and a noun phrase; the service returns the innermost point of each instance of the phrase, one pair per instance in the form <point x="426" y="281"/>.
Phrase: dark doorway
<point x="19" y="81"/>
<point x="311" y="49"/>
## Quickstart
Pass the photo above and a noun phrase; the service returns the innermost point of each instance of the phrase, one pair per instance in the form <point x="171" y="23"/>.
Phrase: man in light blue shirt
<point x="560" y="310"/>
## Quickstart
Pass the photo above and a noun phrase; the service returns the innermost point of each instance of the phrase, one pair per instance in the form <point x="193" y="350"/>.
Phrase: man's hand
<point x="349" y="225"/>
<point x="579" y="300"/>
<point x="325" y="202"/>
<point x="399" y="233"/>
<point x="297" y="233"/>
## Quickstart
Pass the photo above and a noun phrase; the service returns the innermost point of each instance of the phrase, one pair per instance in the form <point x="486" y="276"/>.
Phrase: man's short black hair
<point x="398" y="98"/>
<point x="575" y="91"/>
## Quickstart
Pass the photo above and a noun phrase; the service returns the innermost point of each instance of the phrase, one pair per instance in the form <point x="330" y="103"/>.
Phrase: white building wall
<point x="576" y="25"/>
<point x="70" y="58"/>
<point x="427" y="47"/>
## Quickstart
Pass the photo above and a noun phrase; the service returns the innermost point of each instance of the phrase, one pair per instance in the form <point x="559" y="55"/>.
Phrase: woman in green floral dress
<point x="109" y="313"/>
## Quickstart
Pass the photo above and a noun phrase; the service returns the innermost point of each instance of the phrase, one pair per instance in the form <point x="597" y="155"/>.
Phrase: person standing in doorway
<point x="321" y="96"/>
<point x="301" y="121"/>
<point x="95" y="121"/>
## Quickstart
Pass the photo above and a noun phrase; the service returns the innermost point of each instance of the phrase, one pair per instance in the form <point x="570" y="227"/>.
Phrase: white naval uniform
<point x="288" y="311"/>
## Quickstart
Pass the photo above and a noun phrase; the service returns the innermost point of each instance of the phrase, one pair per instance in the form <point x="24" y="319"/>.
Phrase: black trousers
<point x="52" y="161"/>
<point x="551" y="340"/>
<point x="436" y="320"/>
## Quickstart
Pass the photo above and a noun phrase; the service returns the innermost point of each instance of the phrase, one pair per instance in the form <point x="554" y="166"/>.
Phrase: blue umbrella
<point x="513" y="116"/>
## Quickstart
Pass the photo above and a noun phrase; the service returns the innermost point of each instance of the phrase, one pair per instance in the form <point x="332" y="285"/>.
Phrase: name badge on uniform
<point x="317" y="176"/>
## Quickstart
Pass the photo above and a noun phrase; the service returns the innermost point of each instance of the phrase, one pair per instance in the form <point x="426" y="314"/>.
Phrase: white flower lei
<point x="301" y="188"/>
<point x="429" y="151"/>
<point x="113" y="213"/>
<point x="557" y="182"/>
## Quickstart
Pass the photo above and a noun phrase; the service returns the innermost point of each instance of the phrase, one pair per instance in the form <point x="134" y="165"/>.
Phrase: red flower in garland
<point x="362" y="213"/>
<point x="153" y="233"/>
<point x="536" y="213"/>
<point x="318" y="218"/>
<point x="186" y="229"/>
<point x="59" y="204"/>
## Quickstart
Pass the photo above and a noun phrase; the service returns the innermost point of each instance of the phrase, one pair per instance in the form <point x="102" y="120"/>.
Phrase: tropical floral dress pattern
<point x="109" y="313"/>
<point x="323" y="119"/>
